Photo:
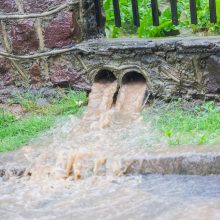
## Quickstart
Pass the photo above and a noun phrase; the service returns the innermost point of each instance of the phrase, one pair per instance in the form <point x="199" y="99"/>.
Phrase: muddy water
<point x="131" y="97"/>
<point x="101" y="97"/>
<point x="77" y="171"/>
<point x="151" y="197"/>
<point x="97" y="143"/>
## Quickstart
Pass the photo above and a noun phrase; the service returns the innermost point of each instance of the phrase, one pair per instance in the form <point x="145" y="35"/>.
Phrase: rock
<point x="4" y="66"/>
<point x="65" y="76"/>
<point x="42" y="102"/>
<point x="36" y="6"/>
<point x="6" y="78"/>
<point x="2" y="172"/>
<point x="213" y="65"/>
<point x="15" y="109"/>
<point x="61" y="31"/>
<point x="24" y="37"/>
<point x="35" y="76"/>
<point x="7" y="6"/>
<point x="195" y="45"/>
<point x="92" y="31"/>
<point x="49" y="93"/>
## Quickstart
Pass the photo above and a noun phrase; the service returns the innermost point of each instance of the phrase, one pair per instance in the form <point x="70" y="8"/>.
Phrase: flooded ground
<point x="133" y="197"/>
<point x="95" y="144"/>
<point x="80" y="170"/>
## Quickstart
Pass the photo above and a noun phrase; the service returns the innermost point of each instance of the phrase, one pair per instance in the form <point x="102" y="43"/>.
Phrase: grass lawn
<point x="183" y="122"/>
<point x="16" y="131"/>
<point x="179" y="122"/>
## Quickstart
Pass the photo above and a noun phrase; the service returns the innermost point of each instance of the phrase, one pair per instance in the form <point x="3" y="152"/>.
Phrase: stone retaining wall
<point x="56" y="49"/>
<point x="48" y="25"/>
<point x="172" y="67"/>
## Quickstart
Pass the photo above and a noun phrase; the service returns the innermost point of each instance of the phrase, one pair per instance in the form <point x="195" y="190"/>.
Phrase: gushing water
<point x="94" y="146"/>
<point x="101" y="97"/>
<point x="131" y="97"/>
<point x="77" y="172"/>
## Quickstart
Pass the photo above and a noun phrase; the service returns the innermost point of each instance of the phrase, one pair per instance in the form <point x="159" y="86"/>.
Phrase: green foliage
<point x="187" y="125"/>
<point x="218" y="13"/>
<point x="166" y="27"/>
<point x="69" y="104"/>
<point x="17" y="131"/>
<point x="5" y="118"/>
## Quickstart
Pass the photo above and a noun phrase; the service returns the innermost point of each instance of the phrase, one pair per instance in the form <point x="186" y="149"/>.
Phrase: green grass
<point x="180" y="124"/>
<point x="18" y="131"/>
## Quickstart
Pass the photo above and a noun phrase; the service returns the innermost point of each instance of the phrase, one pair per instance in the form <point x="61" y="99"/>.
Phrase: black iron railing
<point x="155" y="12"/>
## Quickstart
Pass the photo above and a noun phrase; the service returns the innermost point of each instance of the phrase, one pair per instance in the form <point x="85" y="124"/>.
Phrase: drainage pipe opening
<point x="133" y="92"/>
<point x="104" y="76"/>
<point x="133" y="77"/>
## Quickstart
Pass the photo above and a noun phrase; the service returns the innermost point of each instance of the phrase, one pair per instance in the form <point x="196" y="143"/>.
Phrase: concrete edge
<point x="180" y="164"/>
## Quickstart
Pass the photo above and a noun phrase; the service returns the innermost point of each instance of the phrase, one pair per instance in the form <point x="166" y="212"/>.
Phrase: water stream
<point x="95" y="144"/>
<point x="77" y="172"/>
<point x="152" y="197"/>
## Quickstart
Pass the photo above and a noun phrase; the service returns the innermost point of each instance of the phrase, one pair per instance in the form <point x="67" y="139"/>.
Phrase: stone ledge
<point x="174" y="67"/>
<point x="182" y="45"/>
<point x="188" y="163"/>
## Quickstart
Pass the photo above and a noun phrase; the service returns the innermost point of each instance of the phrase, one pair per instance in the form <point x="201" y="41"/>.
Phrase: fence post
<point x="212" y="6"/>
<point x="193" y="11"/>
<point x="98" y="12"/>
<point x="155" y="12"/>
<point x="135" y="13"/>
<point x="174" y="12"/>
<point x="117" y="13"/>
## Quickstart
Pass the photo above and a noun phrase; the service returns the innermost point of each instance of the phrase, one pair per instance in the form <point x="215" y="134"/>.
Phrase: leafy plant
<point x="166" y="27"/>
<point x="6" y="118"/>
<point x="180" y="123"/>
<point x="218" y="9"/>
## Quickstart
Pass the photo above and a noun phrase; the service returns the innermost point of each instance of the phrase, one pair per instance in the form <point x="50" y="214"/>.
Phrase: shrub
<point x="166" y="27"/>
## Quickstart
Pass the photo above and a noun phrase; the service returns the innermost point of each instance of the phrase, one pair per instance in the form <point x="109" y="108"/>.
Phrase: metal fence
<point x="155" y="12"/>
